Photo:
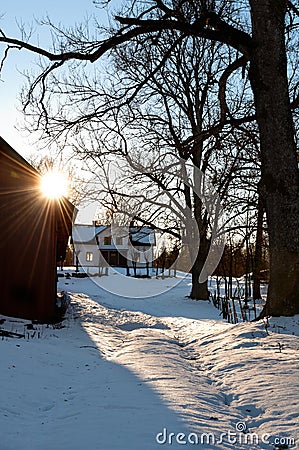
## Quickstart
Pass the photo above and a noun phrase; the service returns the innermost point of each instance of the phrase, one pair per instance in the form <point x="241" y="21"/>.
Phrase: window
<point x="119" y="241"/>
<point x="107" y="240"/>
<point x="89" y="256"/>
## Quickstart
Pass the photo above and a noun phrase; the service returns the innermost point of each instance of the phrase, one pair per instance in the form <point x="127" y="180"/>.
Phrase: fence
<point x="235" y="304"/>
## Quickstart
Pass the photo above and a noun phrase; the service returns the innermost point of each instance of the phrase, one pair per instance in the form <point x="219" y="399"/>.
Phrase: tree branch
<point x="293" y="7"/>
<point x="208" y="26"/>
<point x="214" y="130"/>
<point x="224" y="110"/>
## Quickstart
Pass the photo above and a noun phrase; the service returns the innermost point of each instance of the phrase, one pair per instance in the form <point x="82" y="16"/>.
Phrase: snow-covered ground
<point x="148" y="373"/>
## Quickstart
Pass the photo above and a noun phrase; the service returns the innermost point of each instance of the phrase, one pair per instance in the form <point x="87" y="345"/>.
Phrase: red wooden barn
<point x="34" y="231"/>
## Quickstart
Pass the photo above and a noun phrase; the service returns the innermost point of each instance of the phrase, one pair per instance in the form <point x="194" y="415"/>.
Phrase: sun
<point x="54" y="185"/>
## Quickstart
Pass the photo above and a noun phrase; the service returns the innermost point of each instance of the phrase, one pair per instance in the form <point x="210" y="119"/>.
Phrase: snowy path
<point x="212" y="374"/>
<point x="113" y="378"/>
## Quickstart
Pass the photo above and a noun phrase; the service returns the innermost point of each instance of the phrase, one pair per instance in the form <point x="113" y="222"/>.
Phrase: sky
<point x="12" y="12"/>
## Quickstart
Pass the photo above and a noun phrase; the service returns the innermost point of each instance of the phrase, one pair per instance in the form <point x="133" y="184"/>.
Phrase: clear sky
<point x="67" y="12"/>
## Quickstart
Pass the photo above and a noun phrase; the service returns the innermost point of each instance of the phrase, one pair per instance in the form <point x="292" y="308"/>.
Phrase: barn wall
<point x="28" y="237"/>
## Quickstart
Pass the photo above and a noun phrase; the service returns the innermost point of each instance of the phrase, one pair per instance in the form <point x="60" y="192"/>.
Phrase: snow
<point x="125" y="373"/>
<point x="84" y="233"/>
<point x="142" y="235"/>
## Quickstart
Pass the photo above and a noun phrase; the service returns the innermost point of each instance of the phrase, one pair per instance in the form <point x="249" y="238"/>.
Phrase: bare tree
<point x="176" y="112"/>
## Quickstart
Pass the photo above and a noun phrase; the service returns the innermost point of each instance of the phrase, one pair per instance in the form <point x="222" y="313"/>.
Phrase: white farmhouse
<point x="102" y="246"/>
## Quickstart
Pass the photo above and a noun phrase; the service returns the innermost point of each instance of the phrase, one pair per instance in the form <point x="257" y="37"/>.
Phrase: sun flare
<point x="54" y="185"/>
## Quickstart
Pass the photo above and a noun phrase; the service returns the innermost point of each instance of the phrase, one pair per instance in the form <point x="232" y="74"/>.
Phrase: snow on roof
<point x="99" y="229"/>
<point x="142" y="236"/>
<point x="87" y="234"/>
<point x="84" y="233"/>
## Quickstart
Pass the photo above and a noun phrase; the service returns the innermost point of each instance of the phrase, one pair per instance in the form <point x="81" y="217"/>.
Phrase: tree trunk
<point x="199" y="290"/>
<point x="134" y="268"/>
<point x="258" y="252"/>
<point x="279" y="185"/>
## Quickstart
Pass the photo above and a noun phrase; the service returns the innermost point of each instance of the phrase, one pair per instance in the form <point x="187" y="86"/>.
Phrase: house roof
<point x="9" y="152"/>
<point x="142" y="236"/>
<point x="138" y="235"/>
<point x="100" y="228"/>
<point x="86" y="234"/>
